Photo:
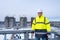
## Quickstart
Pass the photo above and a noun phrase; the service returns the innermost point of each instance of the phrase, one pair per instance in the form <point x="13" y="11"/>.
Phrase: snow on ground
<point x="1" y="37"/>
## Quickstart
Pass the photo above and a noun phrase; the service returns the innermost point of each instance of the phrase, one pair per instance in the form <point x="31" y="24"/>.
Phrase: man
<point x="41" y="26"/>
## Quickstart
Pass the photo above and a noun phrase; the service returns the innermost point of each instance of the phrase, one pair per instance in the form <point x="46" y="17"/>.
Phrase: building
<point x="9" y="22"/>
<point x="23" y="21"/>
<point x="32" y="18"/>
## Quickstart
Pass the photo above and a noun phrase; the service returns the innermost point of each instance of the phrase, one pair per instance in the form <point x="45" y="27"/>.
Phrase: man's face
<point x="39" y="13"/>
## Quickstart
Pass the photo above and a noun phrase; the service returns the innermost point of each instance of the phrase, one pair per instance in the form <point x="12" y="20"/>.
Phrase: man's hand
<point x="49" y="34"/>
<point x="32" y="34"/>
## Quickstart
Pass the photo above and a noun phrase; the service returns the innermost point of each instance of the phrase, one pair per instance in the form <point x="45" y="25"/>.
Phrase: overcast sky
<point x="28" y="8"/>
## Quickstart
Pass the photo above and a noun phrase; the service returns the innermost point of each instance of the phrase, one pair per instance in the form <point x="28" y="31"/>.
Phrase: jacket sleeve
<point x="33" y="25"/>
<point x="48" y="25"/>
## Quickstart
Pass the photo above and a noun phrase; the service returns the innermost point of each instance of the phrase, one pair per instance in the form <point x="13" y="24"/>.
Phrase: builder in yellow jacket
<point x="41" y="26"/>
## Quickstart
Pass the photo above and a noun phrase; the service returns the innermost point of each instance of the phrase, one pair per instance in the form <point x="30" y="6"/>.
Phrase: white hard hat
<point x="39" y="10"/>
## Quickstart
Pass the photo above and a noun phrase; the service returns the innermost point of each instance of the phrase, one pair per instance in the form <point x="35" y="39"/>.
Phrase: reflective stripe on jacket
<point x="41" y="23"/>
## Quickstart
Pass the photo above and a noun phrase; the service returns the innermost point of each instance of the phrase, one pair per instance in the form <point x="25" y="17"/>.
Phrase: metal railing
<point x="26" y="33"/>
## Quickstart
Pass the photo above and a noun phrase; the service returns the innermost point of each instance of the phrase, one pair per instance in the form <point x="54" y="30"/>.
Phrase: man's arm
<point x="33" y="25"/>
<point x="48" y="25"/>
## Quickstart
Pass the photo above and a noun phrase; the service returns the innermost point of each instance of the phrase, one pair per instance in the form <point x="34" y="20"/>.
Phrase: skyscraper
<point x="9" y="22"/>
<point x="23" y="21"/>
<point x="32" y="18"/>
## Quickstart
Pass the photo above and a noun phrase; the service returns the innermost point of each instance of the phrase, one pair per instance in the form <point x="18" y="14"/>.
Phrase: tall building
<point x="9" y="22"/>
<point x="32" y="18"/>
<point x="23" y="21"/>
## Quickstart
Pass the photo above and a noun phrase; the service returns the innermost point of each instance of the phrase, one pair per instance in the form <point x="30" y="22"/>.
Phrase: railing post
<point x="26" y="35"/>
<point x="4" y="36"/>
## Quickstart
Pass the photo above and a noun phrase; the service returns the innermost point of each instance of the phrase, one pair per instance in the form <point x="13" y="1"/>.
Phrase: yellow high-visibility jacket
<point x="41" y="23"/>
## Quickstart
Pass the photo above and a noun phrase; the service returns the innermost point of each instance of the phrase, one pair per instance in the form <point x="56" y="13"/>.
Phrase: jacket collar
<point x="40" y="17"/>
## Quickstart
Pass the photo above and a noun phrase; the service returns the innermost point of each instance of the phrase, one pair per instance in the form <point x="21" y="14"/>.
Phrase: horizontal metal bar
<point x="15" y="31"/>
